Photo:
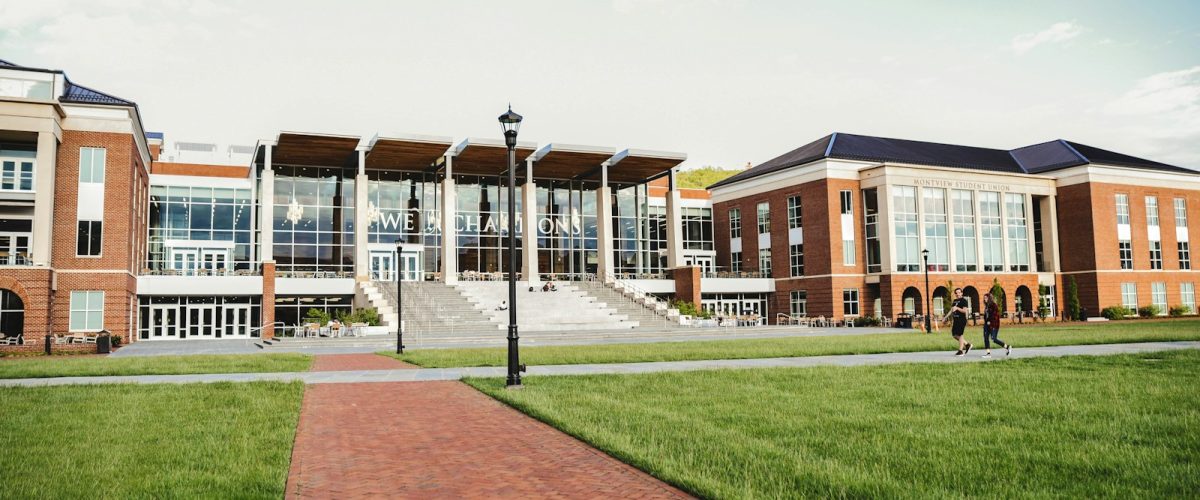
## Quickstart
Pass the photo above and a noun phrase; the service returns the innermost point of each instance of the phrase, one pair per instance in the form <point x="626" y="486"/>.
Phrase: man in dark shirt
<point x="958" y="314"/>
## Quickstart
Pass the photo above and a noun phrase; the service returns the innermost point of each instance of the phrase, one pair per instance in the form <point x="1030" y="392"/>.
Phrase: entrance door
<point x="383" y="266"/>
<point x="237" y="321"/>
<point x="214" y="261"/>
<point x="410" y="267"/>
<point x="163" y="322"/>
<point x="184" y="262"/>
<point x="202" y="321"/>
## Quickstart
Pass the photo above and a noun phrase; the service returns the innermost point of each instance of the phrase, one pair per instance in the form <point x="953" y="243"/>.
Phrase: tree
<point x="1073" y="300"/>
<point x="700" y="178"/>
<point x="998" y="295"/>
<point x="1043" y="304"/>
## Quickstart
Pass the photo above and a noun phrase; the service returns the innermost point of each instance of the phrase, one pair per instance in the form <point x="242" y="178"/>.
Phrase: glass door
<point x="383" y="266"/>
<point x="214" y="261"/>
<point x="410" y="267"/>
<point x="202" y="321"/>
<point x="184" y="261"/>
<point x="237" y="321"/>
<point x="163" y="322"/>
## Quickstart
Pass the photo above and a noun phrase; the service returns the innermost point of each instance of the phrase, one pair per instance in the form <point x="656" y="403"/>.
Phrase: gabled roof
<point x="1033" y="159"/>
<point x="73" y="92"/>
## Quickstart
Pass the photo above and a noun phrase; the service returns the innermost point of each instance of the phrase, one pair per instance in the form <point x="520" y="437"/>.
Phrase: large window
<point x="795" y="212"/>
<point x="735" y="223"/>
<point x="764" y="262"/>
<point x="991" y="231"/>
<point x="189" y="225"/>
<point x="848" y="251"/>
<point x="640" y="232"/>
<point x="14" y="241"/>
<point x="12" y="314"/>
<point x="963" y="204"/>
<point x="850" y="302"/>
<point x="764" y="218"/>
<point x="908" y="253"/>
<point x="871" y="230"/>
<point x="1129" y="296"/>
<point x="697" y="228"/>
<point x="16" y="167"/>
<point x="1155" y="255"/>
<point x="799" y="303"/>
<point x="1151" y="211"/>
<point x="291" y="310"/>
<point x="91" y="165"/>
<point x="1187" y="295"/>
<point x="1018" y="231"/>
<point x="87" y="311"/>
<point x="1180" y="212"/>
<point x="1185" y="256"/>
<point x="1125" y="252"/>
<point x="796" y="259"/>
<point x="404" y="206"/>
<point x="313" y="221"/>
<point x="735" y="262"/>
<point x="88" y="238"/>
<point x="1122" y="208"/>
<point x="1158" y="297"/>
<point x="936" y="228"/>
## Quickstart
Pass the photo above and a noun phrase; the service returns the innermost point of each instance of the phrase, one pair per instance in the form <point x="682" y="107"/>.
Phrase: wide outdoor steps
<point x="635" y="311"/>
<point x="567" y="308"/>
<point x="438" y="309"/>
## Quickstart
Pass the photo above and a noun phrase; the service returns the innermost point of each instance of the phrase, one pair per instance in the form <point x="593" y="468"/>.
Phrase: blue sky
<point x="727" y="82"/>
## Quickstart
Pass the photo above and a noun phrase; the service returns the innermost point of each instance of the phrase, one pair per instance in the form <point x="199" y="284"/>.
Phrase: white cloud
<point x="1056" y="33"/>
<point x="1162" y="113"/>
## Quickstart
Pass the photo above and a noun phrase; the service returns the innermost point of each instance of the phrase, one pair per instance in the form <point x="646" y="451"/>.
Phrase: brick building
<point x="840" y="226"/>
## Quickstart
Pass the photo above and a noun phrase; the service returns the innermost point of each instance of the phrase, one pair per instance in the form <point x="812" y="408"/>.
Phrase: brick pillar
<point x="687" y="284"/>
<point x="268" y="299"/>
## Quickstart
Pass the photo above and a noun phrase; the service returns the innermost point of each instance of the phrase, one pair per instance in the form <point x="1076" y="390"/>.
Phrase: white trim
<point x="167" y="180"/>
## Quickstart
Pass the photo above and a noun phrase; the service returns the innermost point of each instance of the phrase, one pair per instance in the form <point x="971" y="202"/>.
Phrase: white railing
<point x="638" y="296"/>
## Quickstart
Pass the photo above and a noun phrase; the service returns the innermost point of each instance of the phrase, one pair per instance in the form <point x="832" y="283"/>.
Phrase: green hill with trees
<point x="700" y="178"/>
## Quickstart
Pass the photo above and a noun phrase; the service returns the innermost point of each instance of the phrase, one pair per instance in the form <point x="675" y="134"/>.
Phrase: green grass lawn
<point x="1077" y="427"/>
<point x="1048" y="335"/>
<point x="148" y="441"/>
<point x="59" y="366"/>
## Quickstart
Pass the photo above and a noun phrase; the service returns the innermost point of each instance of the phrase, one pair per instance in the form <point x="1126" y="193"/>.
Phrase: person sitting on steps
<point x="503" y="306"/>
<point x="549" y="287"/>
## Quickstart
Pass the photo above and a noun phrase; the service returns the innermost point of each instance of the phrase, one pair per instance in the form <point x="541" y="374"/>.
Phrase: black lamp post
<point x="928" y="303"/>
<point x="511" y="123"/>
<point x="399" y="301"/>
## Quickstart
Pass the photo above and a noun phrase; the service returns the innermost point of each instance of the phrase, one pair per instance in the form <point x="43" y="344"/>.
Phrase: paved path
<point x="356" y="362"/>
<point x="444" y="440"/>
<point x="430" y="374"/>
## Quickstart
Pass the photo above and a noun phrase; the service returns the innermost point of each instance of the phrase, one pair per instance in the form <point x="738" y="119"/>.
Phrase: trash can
<point x="104" y="343"/>
<point x="904" y="321"/>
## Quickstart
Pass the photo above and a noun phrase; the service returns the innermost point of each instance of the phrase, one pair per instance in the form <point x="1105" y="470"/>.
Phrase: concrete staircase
<point x="373" y="291"/>
<point x="437" y="310"/>
<point x="566" y="309"/>
<point x="625" y="303"/>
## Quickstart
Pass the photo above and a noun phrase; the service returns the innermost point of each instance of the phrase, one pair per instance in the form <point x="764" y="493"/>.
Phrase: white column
<point x="266" y="224"/>
<point x="43" y="200"/>
<point x="604" y="236"/>
<point x="1031" y="247"/>
<point x="951" y="257"/>
<point x="887" y="229"/>
<point x="529" y="236"/>
<point x="674" y="224"/>
<point x="449" y="231"/>
<point x="362" y="259"/>
<point x="1050" y="232"/>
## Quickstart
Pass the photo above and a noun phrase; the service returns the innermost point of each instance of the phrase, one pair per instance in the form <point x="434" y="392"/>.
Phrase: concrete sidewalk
<point x="429" y="374"/>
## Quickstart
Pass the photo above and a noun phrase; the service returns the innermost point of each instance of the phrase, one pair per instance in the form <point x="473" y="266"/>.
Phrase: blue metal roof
<point x="1033" y="159"/>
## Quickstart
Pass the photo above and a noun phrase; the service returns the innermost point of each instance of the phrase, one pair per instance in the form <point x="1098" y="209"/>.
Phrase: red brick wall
<point x="687" y="283"/>
<point x="199" y="170"/>
<point x="268" y="299"/>
<point x="33" y="286"/>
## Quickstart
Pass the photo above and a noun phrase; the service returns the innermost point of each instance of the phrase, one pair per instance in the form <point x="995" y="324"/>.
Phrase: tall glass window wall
<point x="697" y="228"/>
<point x="481" y="222"/>
<point x="990" y="227"/>
<point x="566" y="228"/>
<point x="1018" y="231"/>
<point x="963" y="203"/>
<point x="404" y="205"/>
<point x="314" y="221"/>
<point x="908" y="255"/>
<point x="638" y="249"/>
<point x="936" y="229"/>
<point x="199" y="230"/>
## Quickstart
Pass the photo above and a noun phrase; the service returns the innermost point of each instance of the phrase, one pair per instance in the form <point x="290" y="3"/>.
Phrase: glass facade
<point x="313" y="221"/>
<point x="566" y="227"/>
<point x="936" y="229"/>
<point x="199" y="229"/>
<point x="639" y="234"/>
<point x="908" y="255"/>
<point x="404" y="206"/>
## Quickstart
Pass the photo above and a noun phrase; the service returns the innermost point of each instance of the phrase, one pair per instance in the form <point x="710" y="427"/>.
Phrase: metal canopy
<point x="486" y="156"/>
<point x="633" y="166"/>
<point x="315" y="150"/>
<point x="406" y="152"/>
<point x="568" y="161"/>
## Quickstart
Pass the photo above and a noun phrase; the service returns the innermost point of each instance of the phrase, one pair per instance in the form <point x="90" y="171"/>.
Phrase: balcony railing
<point x="202" y="272"/>
<point x="736" y="274"/>
<point x="18" y="259"/>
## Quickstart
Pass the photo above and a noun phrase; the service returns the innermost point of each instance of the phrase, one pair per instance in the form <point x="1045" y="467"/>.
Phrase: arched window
<point x="12" y="313"/>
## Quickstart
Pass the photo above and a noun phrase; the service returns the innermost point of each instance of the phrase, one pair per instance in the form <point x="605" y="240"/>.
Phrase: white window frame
<point x="763" y="217"/>
<point x="1158" y="296"/>
<point x="1187" y="296"/>
<point x="796" y="260"/>
<point x="764" y="262"/>
<point x="795" y="212"/>
<point x="1151" y="211"/>
<point x="87" y="160"/>
<point x="92" y="304"/>
<point x="799" y="303"/>
<point x="1122" y="201"/>
<point x="1181" y="212"/>
<point x="1125" y="254"/>
<point x="10" y="157"/>
<point x="851" y="299"/>
<point x="1129" y="296"/>
<point x="735" y="223"/>
<point x="1156" y="255"/>
<point x="1185" y="255"/>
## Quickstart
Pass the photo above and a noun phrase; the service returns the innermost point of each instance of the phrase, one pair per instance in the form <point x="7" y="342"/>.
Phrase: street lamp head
<point x="511" y="123"/>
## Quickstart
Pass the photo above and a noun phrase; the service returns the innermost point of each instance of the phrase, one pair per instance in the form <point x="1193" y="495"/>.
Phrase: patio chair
<point x="17" y="339"/>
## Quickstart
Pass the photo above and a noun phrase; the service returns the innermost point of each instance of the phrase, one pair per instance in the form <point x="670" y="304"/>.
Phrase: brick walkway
<point x="444" y="440"/>
<point x="352" y="362"/>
